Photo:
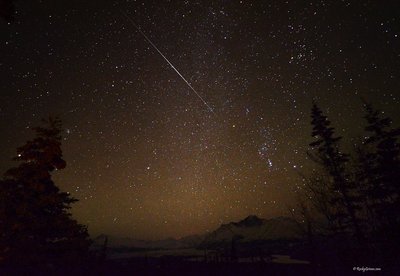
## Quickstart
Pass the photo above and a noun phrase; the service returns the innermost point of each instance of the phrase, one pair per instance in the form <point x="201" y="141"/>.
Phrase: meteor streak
<point x="165" y="58"/>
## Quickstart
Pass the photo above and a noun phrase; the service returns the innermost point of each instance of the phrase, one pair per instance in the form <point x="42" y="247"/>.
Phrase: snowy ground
<point x="196" y="256"/>
<point x="157" y="253"/>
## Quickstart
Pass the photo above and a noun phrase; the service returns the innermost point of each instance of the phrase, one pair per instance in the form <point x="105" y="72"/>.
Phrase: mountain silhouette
<point x="252" y="228"/>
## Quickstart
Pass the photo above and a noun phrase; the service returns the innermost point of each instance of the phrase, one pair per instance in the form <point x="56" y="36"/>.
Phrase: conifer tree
<point x="35" y="222"/>
<point x="326" y="152"/>
<point x="379" y="160"/>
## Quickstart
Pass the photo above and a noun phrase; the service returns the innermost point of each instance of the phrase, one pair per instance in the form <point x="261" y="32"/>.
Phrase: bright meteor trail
<point x="173" y="67"/>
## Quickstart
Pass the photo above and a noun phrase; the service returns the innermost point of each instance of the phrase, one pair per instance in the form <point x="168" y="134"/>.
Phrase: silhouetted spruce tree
<point x="379" y="162"/>
<point x="363" y="167"/>
<point x="319" y="194"/>
<point x="35" y="223"/>
<point x="326" y="152"/>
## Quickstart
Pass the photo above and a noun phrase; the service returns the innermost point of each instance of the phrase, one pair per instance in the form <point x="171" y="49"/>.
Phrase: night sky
<point x="145" y="156"/>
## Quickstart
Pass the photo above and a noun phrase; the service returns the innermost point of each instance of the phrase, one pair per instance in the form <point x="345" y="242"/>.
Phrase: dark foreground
<point x="178" y="266"/>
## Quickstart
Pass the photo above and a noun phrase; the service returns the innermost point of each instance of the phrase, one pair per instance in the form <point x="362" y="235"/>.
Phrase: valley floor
<point x="173" y="265"/>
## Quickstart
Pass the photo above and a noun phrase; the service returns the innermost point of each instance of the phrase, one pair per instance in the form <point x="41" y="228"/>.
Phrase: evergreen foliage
<point x="35" y="223"/>
<point x="325" y="150"/>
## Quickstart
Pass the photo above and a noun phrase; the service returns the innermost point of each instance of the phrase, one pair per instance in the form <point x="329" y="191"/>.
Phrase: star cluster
<point x="145" y="155"/>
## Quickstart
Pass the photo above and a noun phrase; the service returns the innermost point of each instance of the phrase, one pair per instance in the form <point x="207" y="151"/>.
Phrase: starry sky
<point x="145" y="156"/>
